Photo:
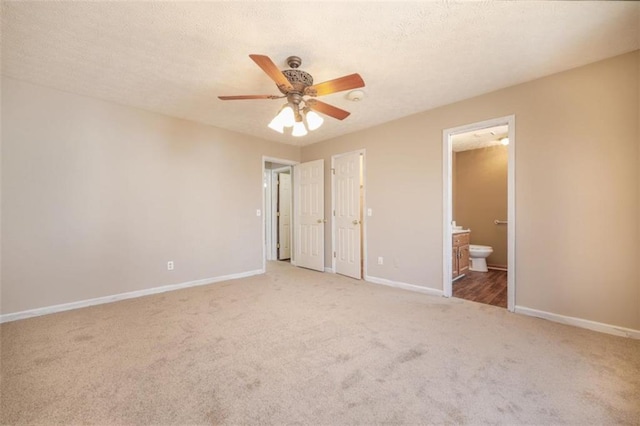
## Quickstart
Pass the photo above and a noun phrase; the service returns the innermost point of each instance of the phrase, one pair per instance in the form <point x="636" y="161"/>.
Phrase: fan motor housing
<point x="298" y="79"/>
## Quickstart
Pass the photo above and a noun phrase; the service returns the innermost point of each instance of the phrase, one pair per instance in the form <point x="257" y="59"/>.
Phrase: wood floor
<point x="483" y="287"/>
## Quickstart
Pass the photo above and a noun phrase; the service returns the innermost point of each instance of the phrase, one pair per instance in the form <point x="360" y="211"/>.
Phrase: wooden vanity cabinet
<point x="460" y="254"/>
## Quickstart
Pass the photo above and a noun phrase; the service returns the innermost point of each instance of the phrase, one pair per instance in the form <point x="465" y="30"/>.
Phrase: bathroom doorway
<point x="479" y="212"/>
<point x="277" y="207"/>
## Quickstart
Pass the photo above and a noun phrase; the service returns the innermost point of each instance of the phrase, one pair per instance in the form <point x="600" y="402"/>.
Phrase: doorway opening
<point x="348" y="224"/>
<point x="479" y="212"/>
<point x="282" y="198"/>
<point x="277" y="180"/>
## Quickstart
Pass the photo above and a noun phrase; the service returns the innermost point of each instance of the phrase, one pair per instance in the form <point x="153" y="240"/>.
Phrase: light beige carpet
<point x="297" y="346"/>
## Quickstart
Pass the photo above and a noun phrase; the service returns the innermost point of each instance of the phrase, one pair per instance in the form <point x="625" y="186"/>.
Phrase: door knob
<point x="322" y="220"/>
<point x="355" y="222"/>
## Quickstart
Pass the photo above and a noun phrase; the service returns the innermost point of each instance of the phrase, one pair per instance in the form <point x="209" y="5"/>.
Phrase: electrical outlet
<point x="380" y="260"/>
<point x="170" y="265"/>
<point x="258" y="212"/>
<point x="369" y="212"/>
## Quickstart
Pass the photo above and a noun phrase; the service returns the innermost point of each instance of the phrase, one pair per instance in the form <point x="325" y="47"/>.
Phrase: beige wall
<point x="480" y="194"/>
<point x="577" y="186"/>
<point x="96" y="198"/>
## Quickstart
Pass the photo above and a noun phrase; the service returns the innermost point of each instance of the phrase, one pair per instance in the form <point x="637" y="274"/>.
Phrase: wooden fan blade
<point x="272" y="70"/>
<point x="327" y="109"/>
<point x="241" y="97"/>
<point x="352" y="81"/>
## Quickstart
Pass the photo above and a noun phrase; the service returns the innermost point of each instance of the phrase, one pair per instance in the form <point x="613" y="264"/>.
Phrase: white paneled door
<point x="309" y="214"/>
<point x="284" y="216"/>
<point x="347" y="215"/>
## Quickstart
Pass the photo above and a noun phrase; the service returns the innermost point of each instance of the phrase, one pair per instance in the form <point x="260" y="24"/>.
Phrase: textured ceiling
<point x="175" y="58"/>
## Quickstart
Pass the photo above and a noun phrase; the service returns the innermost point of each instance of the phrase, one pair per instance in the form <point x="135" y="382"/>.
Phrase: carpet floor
<point x="297" y="346"/>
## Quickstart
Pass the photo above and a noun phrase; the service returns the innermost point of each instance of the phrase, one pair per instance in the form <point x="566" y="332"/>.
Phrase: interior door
<point x="284" y="216"/>
<point x="309" y="214"/>
<point x="347" y="215"/>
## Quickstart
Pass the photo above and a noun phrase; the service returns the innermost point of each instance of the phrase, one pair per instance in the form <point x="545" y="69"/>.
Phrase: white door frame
<point x="363" y="240"/>
<point x="275" y="208"/>
<point x="264" y="206"/>
<point x="510" y="121"/>
<point x="271" y="209"/>
<point x="272" y="225"/>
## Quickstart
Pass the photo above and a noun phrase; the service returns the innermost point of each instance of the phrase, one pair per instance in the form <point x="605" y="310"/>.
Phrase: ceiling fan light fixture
<point x="299" y="129"/>
<point x="276" y="124"/>
<point x="504" y="141"/>
<point x="314" y="120"/>
<point x="287" y="116"/>
<point x="295" y="85"/>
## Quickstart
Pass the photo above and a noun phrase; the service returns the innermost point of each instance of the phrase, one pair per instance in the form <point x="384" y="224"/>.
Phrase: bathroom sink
<point x="458" y="231"/>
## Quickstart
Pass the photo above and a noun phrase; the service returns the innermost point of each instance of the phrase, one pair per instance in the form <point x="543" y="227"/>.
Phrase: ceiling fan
<point x="297" y="86"/>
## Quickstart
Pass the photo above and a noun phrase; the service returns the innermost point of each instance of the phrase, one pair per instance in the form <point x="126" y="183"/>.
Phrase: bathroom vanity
<point x="460" y="253"/>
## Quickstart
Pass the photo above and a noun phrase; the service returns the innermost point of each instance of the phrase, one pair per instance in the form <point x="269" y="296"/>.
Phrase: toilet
<point x="478" y="257"/>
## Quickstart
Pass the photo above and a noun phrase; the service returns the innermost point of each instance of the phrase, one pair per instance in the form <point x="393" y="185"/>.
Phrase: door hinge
<point x="334" y="254"/>
<point x="334" y="212"/>
<point x="333" y="171"/>
<point x="278" y="245"/>
<point x="278" y="214"/>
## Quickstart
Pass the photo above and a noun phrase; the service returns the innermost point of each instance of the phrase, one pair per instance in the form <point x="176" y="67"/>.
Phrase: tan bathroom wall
<point x="577" y="187"/>
<point x="480" y="194"/>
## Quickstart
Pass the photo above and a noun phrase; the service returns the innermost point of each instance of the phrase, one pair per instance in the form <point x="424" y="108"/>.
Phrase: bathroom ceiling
<point x="175" y="58"/>
<point x="479" y="138"/>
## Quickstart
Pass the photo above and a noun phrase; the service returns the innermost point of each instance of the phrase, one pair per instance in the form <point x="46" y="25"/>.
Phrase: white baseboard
<point x="329" y="269"/>
<point x="579" y="322"/>
<point x="404" y="286"/>
<point x="497" y="268"/>
<point x="121" y="296"/>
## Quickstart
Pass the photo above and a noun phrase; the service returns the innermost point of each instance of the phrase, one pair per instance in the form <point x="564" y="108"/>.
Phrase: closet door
<point x="348" y="227"/>
<point x="309" y="214"/>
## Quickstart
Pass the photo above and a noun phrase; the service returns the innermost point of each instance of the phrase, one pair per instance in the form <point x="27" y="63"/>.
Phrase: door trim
<point x="276" y="207"/>
<point x="363" y="239"/>
<point x="510" y="121"/>
<point x="275" y="173"/>
<point x="264" y="206"/>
